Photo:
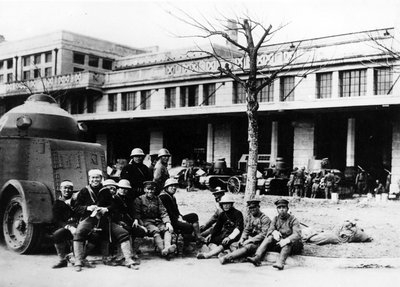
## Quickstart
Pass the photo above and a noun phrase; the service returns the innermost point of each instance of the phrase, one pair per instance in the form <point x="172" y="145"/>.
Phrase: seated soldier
<point x="151" y="213"/>
<point x="186" y="224"/>
<point x="284" y="236"/>
<point x="207" y="228"/>
<point x="227" y="229"/>
<point x="253" y="234"/>
<point x="65" y="220"/>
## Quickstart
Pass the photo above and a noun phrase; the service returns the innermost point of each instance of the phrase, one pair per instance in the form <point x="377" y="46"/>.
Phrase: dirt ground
<point x="380" y="220"/>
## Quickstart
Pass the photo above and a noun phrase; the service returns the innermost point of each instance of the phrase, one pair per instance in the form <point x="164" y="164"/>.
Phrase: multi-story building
<point x="346" y="109"/>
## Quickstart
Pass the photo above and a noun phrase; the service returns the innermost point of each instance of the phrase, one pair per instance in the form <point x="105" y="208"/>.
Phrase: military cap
<point x="253" y="202"/>
<point x="218" y="191"/>
<point x="227" y="198"/>
<point x="149" y="183"/>
<point x="281" y="202"/>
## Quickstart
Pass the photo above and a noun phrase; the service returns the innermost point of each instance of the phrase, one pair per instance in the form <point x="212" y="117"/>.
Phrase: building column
<point x="274" y="142"/>
<point x="119" y="102"/>
<point x="370" y="82"/>
<point x="335" y="84"/>
<point x="200" y="95"/>
<point x="178" y="97"/>
<point x="277" y="90"/>
<point x="210" y="143"/>
<point x="303" y="146"/>
<point x="394" y="186"/>
<point x="351" y="140"/>
<point x="223" y="142"/>
<point x="156" y="141"/>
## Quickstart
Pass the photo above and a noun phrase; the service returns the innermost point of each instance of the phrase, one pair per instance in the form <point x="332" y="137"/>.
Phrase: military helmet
<point x="253" y="202"/>
<point x="109" y="182"/>
<point x="124" y="183"/>
<point x="137" y="152"/>
<point x="227" y="198"/>
<point x="163" y="152"/>
<point x="170" y="181"/>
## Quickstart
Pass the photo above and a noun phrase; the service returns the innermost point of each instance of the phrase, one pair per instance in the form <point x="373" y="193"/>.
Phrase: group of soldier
<point x="112" y="215"/>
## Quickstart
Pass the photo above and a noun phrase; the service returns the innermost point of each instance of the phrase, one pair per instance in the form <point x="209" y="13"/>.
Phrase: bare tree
<point x="243" y="67"/>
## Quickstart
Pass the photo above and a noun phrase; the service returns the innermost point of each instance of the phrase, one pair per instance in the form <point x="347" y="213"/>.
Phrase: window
<point x="170" y="98"/>
<point x="90" y="104"/>
<point x="36" y="73"/>
<point x="239" y="93"/>
<point x="287" y="89"/>
<point x="189" y="96"/>
<point x="26" y="75"/>
<point x="79" y="58"/>
<point x="37" y="59"/>
<point x="77" y="105"/>
<point x="1" y="65"/>
<point x="48" y="57"/>
<point x="128" y="101"/>
<point x="112" y="102"/>
<point x="107" y="64"/>
<point x="267" y="93"/>
<point x="48" y="72"/>
<point x="9" y="64"/>
<point x="209" y="94"/>
<point x="10" y="77"/>
<point x="353" y="83"/>
<point x="324" y="85"/>
<point x="383" y="81"/>
<point x="77" y="70"/>
<point x="93" y="61"/>
<point x="1" y="78"/>
<point x="145" y="99"/>
<point x="26" y="61"/>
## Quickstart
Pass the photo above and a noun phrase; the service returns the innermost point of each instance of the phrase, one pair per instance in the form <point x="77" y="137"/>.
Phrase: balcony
<point x="81" y="80"/>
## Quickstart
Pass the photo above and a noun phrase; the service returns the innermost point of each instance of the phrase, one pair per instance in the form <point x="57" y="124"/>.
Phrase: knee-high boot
<point x="159" y="242"/>
<point x="79" y="255"/>
<point x="168" y="247"/>
<point x="283" y="255"/>
<point x="238" y="253"/>
<point x="212" y="252"/>
<point x="60" y="248"/>
<point x="199" y="238"/>
<point x="126" y="249"/>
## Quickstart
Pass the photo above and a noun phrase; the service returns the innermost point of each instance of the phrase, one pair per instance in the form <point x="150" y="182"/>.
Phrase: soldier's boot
<point x="168" y="247"/>
<point x="283" y="255"/>
<point x="89" y="247"/>
<point x="60" y="248"/>
<point x="238" y="253"/>
<point x="105" y="252"/>
<point x="256" y="259"/>
<point x="211" y="253"/>
<point x="159" y="243"/>
<point x="79" y="255"/>
<point x="199" y="238"/>
<point x="126" y="249"/>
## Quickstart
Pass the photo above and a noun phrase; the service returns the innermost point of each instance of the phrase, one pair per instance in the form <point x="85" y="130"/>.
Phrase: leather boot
<point x="60" y="248"/>
<point x="256" y="259"/>
<point x="238" y="253"/>
<point x="283" y="255"/>
<point x="79" y="255"/>
<point x="126" y="249"/>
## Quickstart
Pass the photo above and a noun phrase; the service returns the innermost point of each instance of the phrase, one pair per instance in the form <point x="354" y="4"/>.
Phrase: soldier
<point x="161" y="173"/>
<point x="136" y="172"/>
<point x="330" y="180"/>
<point x="152" y="215"/>
<point x="315" y="185"/>
<point x="361" y="181"/>
<point x="253" y="234"/>
<point x="186" y="224"/>
<point x="65" y="220"/>
<point x="207" y="228"/>
<point x="284" y="236"/>
<point x="299" y="181"/>
<point x="290" y="183"/>
<point x="153" y="161"/>
<point x="227" y="229"/>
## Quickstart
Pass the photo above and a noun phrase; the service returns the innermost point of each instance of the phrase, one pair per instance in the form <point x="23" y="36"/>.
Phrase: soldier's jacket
<point x="160" y="175"/>
<point x="63" y="213"/>
<point x="90" y="196"/>
<point x="256" y="228"/>
<point x="122" y="209"/>
<point x="150" y="209"/>
<point x="289" y="227"/>
<point x="136" y="173"/>
<point x="213" y="219"/>
<point x="227" y="222"/>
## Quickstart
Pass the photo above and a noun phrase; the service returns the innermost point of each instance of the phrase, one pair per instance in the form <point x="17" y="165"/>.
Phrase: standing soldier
<point x="136" y="172"/>
<point x="290" y="183"/>
<point x="66" y="221"/>
<point x="315" y="184"/>
<point x="207" y="228"/>
<point x="284" y="236"/>
<point x="227" y="229"/>
<point x="161" y="173"/>
<point x="153" y="161"/>
<point x="253" y="234"/>
<point x="152" y="215"/>
<point x="299" y="181"/>
<point x="361" y="181"/>
<point x="331" y="181"/>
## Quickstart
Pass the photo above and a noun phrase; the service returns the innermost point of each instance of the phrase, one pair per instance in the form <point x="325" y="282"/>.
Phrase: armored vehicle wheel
<point x="233" y="184"/>
<point x="19" y="235"/>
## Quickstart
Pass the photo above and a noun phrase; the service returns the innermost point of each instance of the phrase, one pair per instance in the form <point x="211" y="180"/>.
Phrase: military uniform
<point x="136" y="173"/>
<point x="64" y="218"/>
<point x="361" y="182"/>
<point x="226" y="223"/>
<point x="298" y="183"/>
<point x="207" y="228"/>
<point x="160" y="175"/>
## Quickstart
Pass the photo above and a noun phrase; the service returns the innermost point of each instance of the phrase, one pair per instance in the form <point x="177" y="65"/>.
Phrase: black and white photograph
<point x="199" y="143"/>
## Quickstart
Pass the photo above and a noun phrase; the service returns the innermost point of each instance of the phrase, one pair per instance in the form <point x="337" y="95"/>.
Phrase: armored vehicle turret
<point x="39" y="147"/>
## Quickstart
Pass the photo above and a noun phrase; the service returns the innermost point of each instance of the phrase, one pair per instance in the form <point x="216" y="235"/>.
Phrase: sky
<point x="154" y="23"/>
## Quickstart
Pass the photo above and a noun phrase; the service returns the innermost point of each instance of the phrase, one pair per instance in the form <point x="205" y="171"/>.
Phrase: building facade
<point x="345" y="109"/>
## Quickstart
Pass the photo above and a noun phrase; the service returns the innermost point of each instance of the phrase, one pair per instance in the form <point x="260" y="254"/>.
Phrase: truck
<point x="40" y="146"/>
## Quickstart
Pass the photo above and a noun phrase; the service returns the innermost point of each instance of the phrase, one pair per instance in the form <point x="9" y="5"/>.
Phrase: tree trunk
<point x="251" y="182"/>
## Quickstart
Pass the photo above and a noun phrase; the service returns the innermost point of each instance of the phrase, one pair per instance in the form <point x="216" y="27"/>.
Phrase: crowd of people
<point x="110" y="215"/>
